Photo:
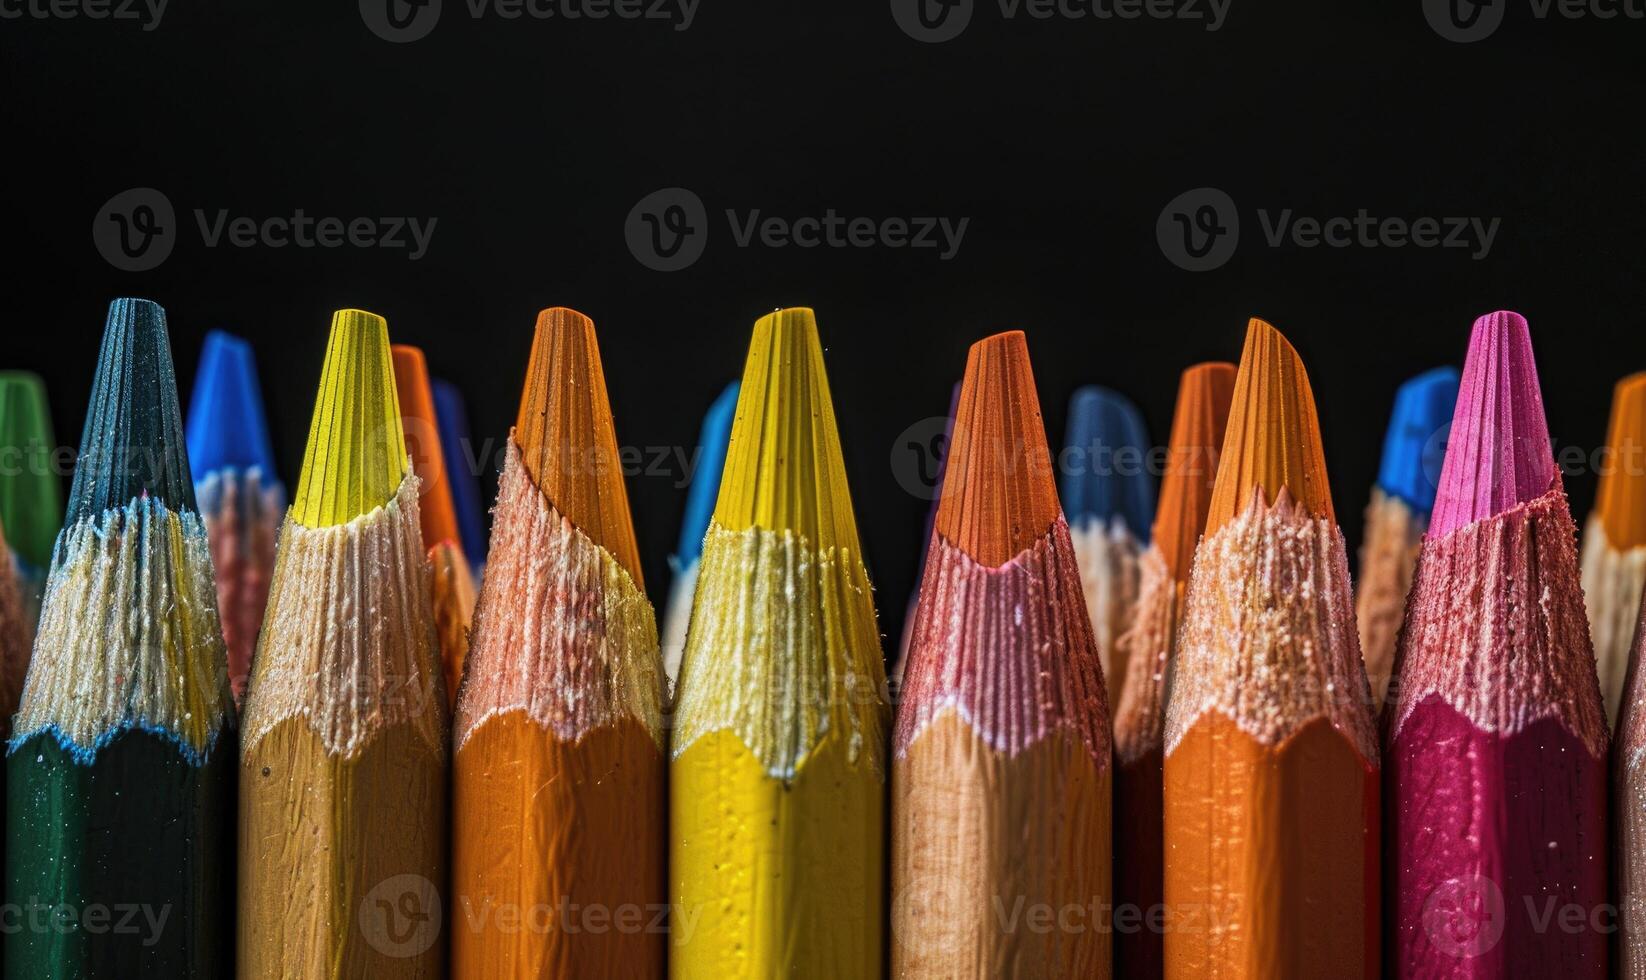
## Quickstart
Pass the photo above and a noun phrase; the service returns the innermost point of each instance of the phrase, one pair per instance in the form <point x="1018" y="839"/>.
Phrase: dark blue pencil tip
<point x="1105" y="462"/>
<point x="1415" y="445"/>
<point x="226" y="425"/>
<point x="452" y="418"/>
<point x="133" y="444"/>
<point x="705" y="488"/>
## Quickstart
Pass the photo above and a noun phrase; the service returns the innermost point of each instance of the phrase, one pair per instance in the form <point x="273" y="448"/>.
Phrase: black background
<point x="1061" y="140"/>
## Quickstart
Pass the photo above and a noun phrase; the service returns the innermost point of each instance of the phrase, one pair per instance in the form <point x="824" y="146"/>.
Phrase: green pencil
<point x="120" y="772"/>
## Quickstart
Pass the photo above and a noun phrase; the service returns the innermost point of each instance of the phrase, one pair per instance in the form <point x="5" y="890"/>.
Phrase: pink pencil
<point x="1495" y="755"/>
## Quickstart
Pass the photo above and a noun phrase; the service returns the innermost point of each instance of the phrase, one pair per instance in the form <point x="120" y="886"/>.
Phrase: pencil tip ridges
<point x="1198" y="424"/>
<point x="1273" y="440"/>
<point x="356" y="454"/>
<point x="226" y="424"/>
<point x="1414" y="447"/>
<point x="999" y="495"/>
<point x="1498" y="454"/>
<point x="784" y="468"/>
<point x="1621" y="501"/>
<point x="1105" y="476"/>
<point x="132" y="446"/>
<point x="711" y="460"/>
<point x="567" y="441"/>
<point x="31" y="494"/>
<point x="422" y="434"/>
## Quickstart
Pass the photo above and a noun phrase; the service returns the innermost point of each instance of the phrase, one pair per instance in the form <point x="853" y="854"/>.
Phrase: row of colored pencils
<point x="1131" y="741"/>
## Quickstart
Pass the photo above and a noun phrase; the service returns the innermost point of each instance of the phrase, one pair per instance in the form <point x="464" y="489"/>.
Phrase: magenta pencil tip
<point x="1498" y="455"/>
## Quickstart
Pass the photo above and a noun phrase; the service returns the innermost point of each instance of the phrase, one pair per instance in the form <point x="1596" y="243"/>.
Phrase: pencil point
<point x="567" y="441"/>
<point x="784" y="468"/>
<point x="31" y="493"/>
<point x="1273" y="439"/>
<point x="356" y="454"/>
<point x="1414" y="447"/>
<point x="133" y="443"/>
<point x="1621" y="501"/>
<point x="226" y="425"/>
<point x="422" y="433"/>
<point x="1105" y="475"/>
<point x="705" y="487"/>
<point x="461" y="465"/>
<point x="999" y="495"/>
<point x="1199" y="421"/>
<point x="1498" y="455"/>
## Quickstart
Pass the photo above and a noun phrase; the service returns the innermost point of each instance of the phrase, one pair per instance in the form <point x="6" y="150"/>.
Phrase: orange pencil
<point x="452" y="584"/>
<point x="1140" y="717"/>
<point x="559" y="814"/>
<point x="1271" y="771"/>
<point x="1614" y="540"/>
<point x="1001" y="762"/>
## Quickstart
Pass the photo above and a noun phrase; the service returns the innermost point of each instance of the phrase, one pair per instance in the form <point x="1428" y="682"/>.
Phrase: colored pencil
<point x="688" y="552"/>
<point x="894" y="676"/>
<point x="1148" y="648"/>
<point x="1614" y="540"/>
<point x="452" y="586"/>
<point x="1629" y="814"/>
<point x="1270" y="776"/>
<point x="463" y="465"/>
<point x="1398" y="514"/>
<point x="343" y="769"/>
<point x="558" y="817"/>
<point x="241" y="497"/>
<point x="1108" y="495"/>
<point x="1001" y="756"/>
<point x="777" y="779"/>
<point x="16" y="635"/>
<point x="120" y="770"/>
<point x="1496" y="737"/>
<point x="31" y="486"/>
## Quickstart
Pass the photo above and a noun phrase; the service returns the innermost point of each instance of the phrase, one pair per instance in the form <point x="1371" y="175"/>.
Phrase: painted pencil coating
<point x="462" y="470"/>
<point x="343" y="765"/>
<point x="1001" y="775"/>
<point x="778" y="761"/>
<point x="241" y="498"/>
<point x="1614" y="540"/>
<point x="1108" y="496"/>
<point x="1496" y="738"/>
<point x="452" y="584"/>
<point x="1398" y="514"/>
<point x="120" y="784"/>
<point x="558" y="778"/>
<point x="1198" y="424"/>
<point x="1270" y="774"/>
